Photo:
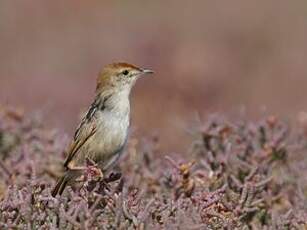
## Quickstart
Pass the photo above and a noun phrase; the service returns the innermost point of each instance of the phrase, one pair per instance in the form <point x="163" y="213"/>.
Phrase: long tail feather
<point x="60" y="186"/>
<point x="57" y="187"/>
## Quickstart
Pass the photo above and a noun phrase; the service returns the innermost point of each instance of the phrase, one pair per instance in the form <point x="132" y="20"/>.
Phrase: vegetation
<point x="237" y="175"/>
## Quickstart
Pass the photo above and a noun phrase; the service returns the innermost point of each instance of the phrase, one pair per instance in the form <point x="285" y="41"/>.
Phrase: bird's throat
<point x="116" y="101"/>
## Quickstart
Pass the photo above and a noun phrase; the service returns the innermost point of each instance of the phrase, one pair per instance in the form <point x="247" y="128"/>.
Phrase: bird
<point x="103" y="131"/>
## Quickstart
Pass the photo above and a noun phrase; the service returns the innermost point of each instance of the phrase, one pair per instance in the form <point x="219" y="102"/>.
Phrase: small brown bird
<point x="103" y="131"/>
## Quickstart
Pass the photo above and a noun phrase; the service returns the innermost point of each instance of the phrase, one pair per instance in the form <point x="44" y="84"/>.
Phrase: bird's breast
<point x="111" y="135"/>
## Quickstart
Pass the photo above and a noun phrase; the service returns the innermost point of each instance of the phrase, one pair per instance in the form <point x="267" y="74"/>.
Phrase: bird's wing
<point x="85" y="131"/>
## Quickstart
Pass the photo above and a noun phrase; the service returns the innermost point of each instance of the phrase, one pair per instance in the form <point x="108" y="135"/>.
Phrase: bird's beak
<point x="147" y="71"/>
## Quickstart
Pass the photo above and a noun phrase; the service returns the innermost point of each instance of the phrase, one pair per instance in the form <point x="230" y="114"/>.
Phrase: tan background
<point x="209" y="56"/>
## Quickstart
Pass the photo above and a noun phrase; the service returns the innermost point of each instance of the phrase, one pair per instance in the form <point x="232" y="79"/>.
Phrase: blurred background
<point x="208" y="56"/>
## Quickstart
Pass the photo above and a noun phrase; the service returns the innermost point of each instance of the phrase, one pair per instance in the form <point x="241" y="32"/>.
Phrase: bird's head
<point x="119" y="76"/>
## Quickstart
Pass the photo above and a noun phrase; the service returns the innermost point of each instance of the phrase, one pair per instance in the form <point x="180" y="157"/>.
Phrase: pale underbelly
<point x="105" y="145"/>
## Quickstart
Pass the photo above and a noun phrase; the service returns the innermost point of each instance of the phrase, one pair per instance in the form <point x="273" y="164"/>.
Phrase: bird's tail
<point x="62" y="182"/>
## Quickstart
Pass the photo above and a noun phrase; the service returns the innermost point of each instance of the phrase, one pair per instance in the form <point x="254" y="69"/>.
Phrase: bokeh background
<point x="209" y="56"/>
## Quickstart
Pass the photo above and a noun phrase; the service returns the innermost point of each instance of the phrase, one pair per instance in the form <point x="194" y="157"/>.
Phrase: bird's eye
<point x="125" y="72"/>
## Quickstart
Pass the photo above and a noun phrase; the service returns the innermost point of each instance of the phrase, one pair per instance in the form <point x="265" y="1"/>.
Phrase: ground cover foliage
<point x="237" y="174"/>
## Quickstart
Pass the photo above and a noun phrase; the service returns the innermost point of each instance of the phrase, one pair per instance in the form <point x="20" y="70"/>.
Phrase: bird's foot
<point x="92" y="171"/>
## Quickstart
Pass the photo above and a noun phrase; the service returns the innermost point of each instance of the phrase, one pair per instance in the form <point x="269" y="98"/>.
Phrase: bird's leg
<point x="88" y="172"/>
<point x="93" y="170"/>
<point x="89" y="176"/>
<point x="78" y="170"/>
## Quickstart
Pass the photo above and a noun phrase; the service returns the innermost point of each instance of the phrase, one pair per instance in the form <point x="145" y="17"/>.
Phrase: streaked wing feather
<point x="86" y="129"/>
<point x="85" y="132"/>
